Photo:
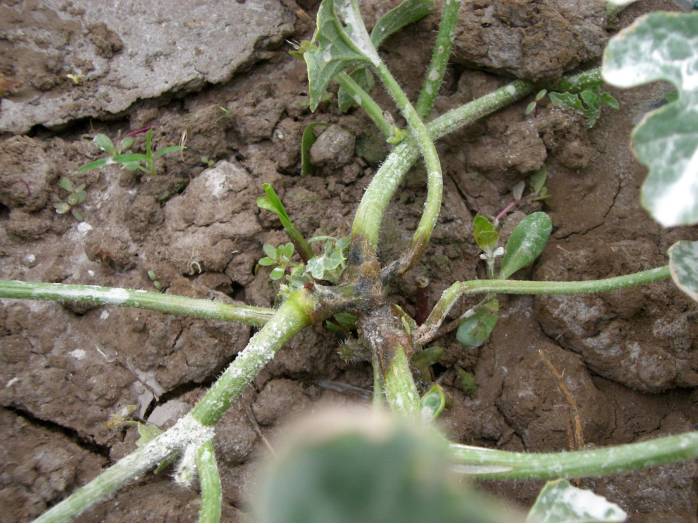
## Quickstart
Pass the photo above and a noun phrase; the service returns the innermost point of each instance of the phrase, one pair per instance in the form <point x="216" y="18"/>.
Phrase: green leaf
<point x="146" y="433"/>
<point x="405" y="13"/>
<point x="330" y="264"/>
<point x="365" y="79"/>
<point x="340" y="42"/>
<point x="354" y="466"/>
<point x="683" y="265"/>
<point x="271" y="202"/>
<point x="266" y="261"/>
<point x="65" y="183"/>
<point x="72" y="199"/>
<point x="95" y="164"/>
<point x="540" y="95"/>
<point x="126" y="144"/>
<point x="560" y="501"/>
<point x="167" y="151"/>
<point x="485" y="233"/>
<point x="478" y="324"/>
<point x="346" y="321"/>
<point x="609" y="100"/>
<point x="466" y="381"/>
<point x="62" y="207"/>
<point x="537" y="180"/>
<point x="526" y="243"/>
<point x="286" y="250"/>
<point x="662" y="46"/>
<point x="129" y="158"/>
<point x="307" y="141"/>
<point x="77" y="215"/>
<point x="104" y="143"/>
<point x="530" y="108"/>
<point x="427" y="357"/>
<point x="270" y="251"/>
<point x="569" y="100"/>
<point x="277" y="273"/>
<point x="433" y="403"/>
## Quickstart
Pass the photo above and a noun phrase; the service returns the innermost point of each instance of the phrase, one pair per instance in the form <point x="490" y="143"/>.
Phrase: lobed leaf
<point x="560" y="501"/>
<point x="526" y="243"/>
<point x="662" y="46"/>
<point x="339" y="43"/>
<point x="683" y="265"/>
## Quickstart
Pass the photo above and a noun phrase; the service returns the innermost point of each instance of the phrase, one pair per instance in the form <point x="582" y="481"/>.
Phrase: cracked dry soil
<point x="630" y="358"/>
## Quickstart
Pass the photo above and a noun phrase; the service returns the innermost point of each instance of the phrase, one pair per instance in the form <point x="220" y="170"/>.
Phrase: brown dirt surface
<point x="629" y="358"/>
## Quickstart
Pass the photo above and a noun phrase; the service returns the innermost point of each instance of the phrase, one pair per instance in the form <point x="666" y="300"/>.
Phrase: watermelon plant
<point x="347" y="281"/>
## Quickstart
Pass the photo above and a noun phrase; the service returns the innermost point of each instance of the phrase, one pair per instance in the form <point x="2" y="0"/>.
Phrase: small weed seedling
<point x="122" y="155"/>
<point x="76" y="196"/>
<point x="369" y="466"/>
<point x="587" y="99"/>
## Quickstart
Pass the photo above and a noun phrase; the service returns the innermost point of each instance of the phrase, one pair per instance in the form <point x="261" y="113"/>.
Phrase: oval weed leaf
<point x="526" y="243"/>
<point x="433" y="403"/>
<point x="683" y="264"/>
<point x="662" y="46"/>
<point x="560" y="501"/>
<point x="484" y="233"/>
<point x="340" y="42"/>
<point x="476" y="329"/>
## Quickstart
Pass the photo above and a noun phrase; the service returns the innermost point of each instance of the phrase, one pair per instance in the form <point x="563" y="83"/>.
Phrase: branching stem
<point x="426" y="331"/>
<point x="422" y="137"/>
<point x="369" y="214"/>
<point x="196" y="428"/>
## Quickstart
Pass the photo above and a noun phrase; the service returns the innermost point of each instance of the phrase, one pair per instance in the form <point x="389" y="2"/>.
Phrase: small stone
<point x="334" y="147"/>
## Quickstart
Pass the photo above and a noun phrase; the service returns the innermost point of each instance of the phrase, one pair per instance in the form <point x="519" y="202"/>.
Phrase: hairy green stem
<point x="210" y="482"/>
<point x="439" y="58"/>
<point x="174" y="304"/>
<point x="422" y="137"/>
<point x="196" y="427"/>
<point x="497" y="464"/>
<point x="366" y="102"/>
<point x="369" y="214"/>
<point x="293" y="315"/>
<point x="449" y="297"/>
<point x="400" y="389"/>
<point x="184" y="433"/>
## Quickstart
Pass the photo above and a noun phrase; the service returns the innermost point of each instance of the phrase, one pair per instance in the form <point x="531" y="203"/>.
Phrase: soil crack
<point x="74" y="436"/>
